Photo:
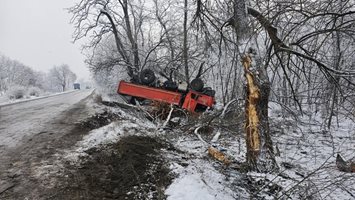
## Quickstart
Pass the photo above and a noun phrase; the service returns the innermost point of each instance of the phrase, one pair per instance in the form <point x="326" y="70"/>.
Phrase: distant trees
<point x="14" y="73"/>
<point x="3" y="73"/>
<point x="61" y="76"/>
<point x="17" y="79"/>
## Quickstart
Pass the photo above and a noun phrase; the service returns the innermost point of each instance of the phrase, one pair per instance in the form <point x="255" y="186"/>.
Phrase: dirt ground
<point x="132" y="168"/>
<point x="129" y="169"/>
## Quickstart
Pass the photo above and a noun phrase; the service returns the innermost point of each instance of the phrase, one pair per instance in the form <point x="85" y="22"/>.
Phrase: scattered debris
<point x="218" y="155"/>
<point x="345" y="166"/>
<point x="132" y="158"/>
<point x="212" y="151"/>
<point x="216" y="137"/>
<point x="169" y="116"/>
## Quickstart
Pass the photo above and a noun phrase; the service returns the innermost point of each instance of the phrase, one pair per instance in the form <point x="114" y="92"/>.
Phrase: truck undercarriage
<point x="196" y="98"/>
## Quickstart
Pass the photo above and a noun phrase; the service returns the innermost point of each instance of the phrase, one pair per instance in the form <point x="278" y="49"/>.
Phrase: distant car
<point x="76" y="86"/>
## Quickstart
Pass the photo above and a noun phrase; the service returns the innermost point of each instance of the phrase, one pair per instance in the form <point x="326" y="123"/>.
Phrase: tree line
<point x="16" y="77"/>
<point x="303" y="51"/>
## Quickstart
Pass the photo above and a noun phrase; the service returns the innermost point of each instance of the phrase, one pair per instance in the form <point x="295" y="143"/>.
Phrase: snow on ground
<point x="312" y="150"/>
<point x="199" y="177"/>
<point x="4" y="100"/>
<point x="198" y="181"/>
<point x="307" y="158"/>
<point x="106" y="135"/>
<point x="307" y="162"/>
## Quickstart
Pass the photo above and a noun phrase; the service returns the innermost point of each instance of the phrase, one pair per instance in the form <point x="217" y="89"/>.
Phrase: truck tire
<point x="170" y="85"/>
<point x="208" y="91"/>
<point x="147" y="76"/>
<point x="196" y="84"/>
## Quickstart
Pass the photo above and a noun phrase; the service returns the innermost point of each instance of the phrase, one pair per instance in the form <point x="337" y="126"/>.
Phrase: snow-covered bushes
<point x="34" y="91"/>
<point x="106" y="81"/>
<point x="16" y="92"/>
<point x="19" y="92"/>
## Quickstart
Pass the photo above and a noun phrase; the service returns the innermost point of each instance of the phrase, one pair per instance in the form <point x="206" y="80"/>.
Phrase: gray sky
<point x="38" y="34"/>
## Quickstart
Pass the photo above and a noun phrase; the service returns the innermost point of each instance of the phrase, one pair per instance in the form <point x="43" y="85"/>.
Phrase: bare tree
<point x="185" y="50"/>
<point x="294" y="46"/>
<point x="305" y="50"/>
<point x="62" y="76"/>
<point x="124" y="20"/>
<point x="13" y="72"/>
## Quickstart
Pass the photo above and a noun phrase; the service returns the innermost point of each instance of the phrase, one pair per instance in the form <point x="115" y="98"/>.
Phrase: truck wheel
<point x="208" y="91"/>
<point x="196" y="84"/>
<point x="147" y="76"/>
<point x="170" y="85"/>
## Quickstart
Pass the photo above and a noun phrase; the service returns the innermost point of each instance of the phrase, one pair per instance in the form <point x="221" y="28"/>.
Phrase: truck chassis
<point x="190" y="100"/>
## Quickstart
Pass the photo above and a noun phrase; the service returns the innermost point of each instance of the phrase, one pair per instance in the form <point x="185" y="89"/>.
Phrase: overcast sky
<point x="38" y="34"/>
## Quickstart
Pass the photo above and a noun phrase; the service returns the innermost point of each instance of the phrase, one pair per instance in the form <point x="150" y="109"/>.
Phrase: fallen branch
<point x="227" y="106"/>
<point x="212" y="151"/>
<point x="169" y="116"/>
<point x="215" y="153"/>
<point x="216" y="137"/>
<point x="199" y="136"/>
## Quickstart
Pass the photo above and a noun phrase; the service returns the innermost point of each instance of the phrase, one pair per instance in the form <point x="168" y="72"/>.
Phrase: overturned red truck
<point x="195" y="98"/>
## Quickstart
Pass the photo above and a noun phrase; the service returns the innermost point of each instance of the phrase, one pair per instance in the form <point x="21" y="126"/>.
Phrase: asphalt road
<point x="31" y="117"/>
<point x="31" y="132"/>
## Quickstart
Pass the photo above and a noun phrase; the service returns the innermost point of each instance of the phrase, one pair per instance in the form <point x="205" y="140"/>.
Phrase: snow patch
<point x="198" y="181"/>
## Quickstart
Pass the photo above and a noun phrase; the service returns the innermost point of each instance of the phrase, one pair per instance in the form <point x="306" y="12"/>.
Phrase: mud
<point x="19" y="164"/>
<point x="99" y="120"/>
<point x="132" y="168"/>
<point x="129" y="169"/>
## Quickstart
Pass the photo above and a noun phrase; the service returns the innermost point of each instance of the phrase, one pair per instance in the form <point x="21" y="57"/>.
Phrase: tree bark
<point x="260" y="154"/>
<point x="132" y="40"/>
<point x="118" y="41"/>
<point x="337" y="57"/>
<point x="185" y="50"/>
<point x="167" y="32"/>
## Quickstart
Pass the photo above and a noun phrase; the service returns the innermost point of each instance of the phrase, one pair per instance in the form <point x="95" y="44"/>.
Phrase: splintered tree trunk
<point x="260" y="154"/>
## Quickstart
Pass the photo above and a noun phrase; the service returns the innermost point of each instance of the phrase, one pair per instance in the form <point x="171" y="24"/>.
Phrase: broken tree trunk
<point x="260" y="155"/>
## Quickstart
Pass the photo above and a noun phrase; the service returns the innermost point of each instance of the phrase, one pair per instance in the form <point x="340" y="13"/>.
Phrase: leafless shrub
<point x="16" y="92"/>
<point x="34" y="91"/>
